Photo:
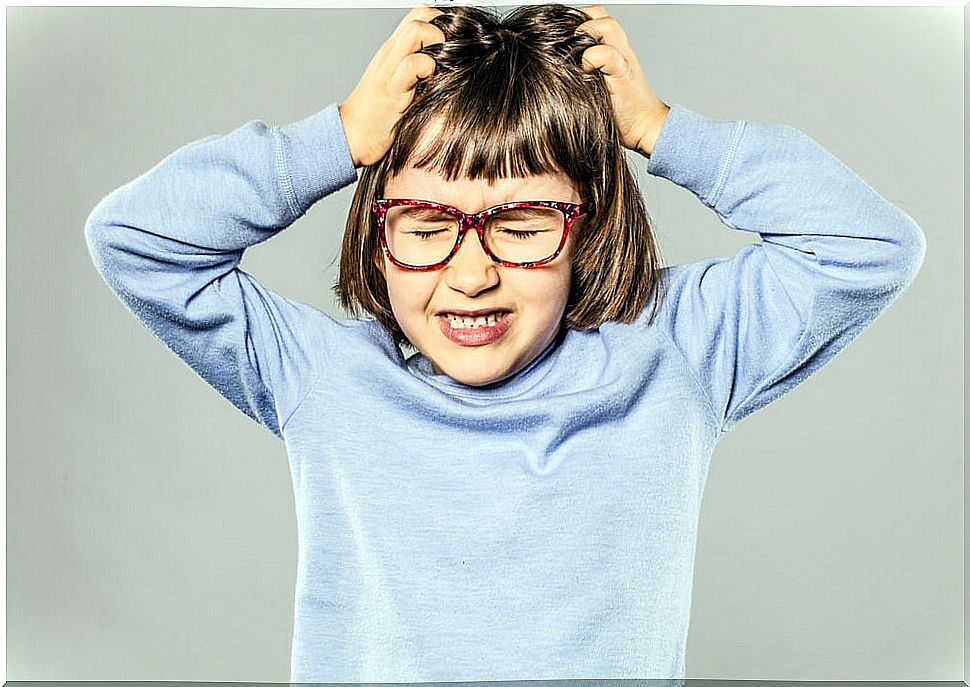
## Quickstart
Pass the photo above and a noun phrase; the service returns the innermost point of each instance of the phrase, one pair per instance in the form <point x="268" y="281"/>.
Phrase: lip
<point x="475" y="336"/>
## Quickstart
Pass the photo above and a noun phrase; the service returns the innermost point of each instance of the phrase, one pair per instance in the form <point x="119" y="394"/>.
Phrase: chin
<point x="471" y="376"/>
<point x="480" y="379"/>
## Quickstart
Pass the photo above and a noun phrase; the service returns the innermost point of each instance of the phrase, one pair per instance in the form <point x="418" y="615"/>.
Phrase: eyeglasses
<point x="422" y="235"/>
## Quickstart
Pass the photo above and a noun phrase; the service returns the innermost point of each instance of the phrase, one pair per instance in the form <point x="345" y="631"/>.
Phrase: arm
<point x="834" y="255"/>
<point x="169" y="244"/>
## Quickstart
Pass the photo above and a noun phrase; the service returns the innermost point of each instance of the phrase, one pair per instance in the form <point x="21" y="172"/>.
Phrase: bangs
<point x="492" y="147"/>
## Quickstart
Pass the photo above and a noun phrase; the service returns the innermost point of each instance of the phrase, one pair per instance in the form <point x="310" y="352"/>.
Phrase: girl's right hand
<point x="387" y="87"/>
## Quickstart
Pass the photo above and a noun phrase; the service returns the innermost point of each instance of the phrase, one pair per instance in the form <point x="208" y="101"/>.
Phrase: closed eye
<point x="520" y="234"/>
<point x="427" y="234"/>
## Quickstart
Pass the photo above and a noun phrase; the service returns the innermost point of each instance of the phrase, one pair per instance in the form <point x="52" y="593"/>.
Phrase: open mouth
<point x="477" y="329"/>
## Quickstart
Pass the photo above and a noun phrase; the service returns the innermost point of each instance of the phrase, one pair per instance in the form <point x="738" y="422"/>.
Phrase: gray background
<point x="151" y="528"/>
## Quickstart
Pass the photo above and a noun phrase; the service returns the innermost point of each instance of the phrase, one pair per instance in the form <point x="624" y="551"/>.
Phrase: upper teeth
<point x="460" y="322"/>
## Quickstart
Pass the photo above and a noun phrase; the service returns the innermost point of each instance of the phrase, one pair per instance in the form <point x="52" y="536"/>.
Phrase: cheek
<point x="564" y="275"/>
<point x="410" y="293"/>
<point x="563" y="294"/>
<point x="549" y="298"/>
<point x="563" y="286"/>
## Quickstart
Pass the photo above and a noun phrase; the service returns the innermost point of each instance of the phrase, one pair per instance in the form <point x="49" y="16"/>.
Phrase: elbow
<point x="910" y="252"/>
<point x="105" y="240"/>
<point x="96" y="237"/>
<point x="94" y="233"/>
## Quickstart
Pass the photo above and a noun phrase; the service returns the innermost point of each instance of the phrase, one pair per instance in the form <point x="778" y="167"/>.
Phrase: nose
<point x="471" y="271"/>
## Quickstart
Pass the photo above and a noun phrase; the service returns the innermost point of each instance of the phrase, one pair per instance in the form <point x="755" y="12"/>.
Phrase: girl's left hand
<point x="638" y="112"/>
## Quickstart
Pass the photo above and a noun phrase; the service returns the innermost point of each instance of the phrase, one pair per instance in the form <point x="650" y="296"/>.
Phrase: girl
<point x="498" y="465"/>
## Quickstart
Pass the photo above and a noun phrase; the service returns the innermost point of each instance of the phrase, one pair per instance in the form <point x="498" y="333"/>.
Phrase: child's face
<point x="534" y="298"/>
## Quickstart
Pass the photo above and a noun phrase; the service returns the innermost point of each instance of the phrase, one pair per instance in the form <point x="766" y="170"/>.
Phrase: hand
<point x="639" y="114"/>
<point x="387" y="87"/>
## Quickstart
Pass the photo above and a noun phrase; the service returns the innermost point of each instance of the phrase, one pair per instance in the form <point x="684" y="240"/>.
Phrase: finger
<point x="594" y="11"/>
<point x="606" y="30"/>
<point x="420" y="13"/>
<point x="607" y="59"/>
<point x="416" y="35"/>
<point x="413" y="67"/>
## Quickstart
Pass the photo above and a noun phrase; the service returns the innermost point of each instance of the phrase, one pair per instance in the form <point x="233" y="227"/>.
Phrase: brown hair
<point x="514" y="102"/>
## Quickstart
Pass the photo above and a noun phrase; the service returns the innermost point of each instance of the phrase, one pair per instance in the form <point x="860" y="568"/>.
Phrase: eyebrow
<point x="435" y="213"/>
<point x="525" y="213"/>
<point x="423" y="213"/>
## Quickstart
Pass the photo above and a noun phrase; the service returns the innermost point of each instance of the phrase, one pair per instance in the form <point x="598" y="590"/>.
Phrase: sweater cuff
<point x="316" y="158"/>
<point x="695" y="152"/>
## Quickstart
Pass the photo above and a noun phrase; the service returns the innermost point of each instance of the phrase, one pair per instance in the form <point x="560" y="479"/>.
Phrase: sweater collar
<point x="519" y="383"/>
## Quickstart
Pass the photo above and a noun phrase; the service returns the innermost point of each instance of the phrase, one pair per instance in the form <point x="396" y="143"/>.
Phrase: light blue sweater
<point x="544" y="528"/>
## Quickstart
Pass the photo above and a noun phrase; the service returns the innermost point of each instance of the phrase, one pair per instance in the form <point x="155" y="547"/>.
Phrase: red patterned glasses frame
<point x="571" y="211"/>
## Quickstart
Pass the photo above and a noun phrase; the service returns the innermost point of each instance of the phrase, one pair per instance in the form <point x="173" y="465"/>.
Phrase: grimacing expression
<point x="526" y="305"/>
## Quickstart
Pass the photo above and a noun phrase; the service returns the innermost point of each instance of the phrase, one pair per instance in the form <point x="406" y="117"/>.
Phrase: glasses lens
<point x="423" y="236"/>
<point x="420" y="236"/>
<point x="524" y="234"/>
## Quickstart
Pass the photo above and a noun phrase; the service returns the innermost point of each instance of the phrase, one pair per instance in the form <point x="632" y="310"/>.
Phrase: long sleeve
<point x="834" y="254"/>
<point x="169" y="244"/>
